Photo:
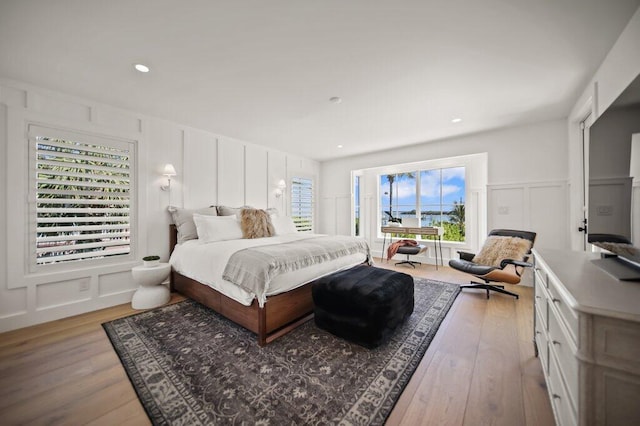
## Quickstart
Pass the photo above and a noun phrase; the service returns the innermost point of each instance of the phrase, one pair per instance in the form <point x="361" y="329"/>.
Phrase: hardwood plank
<point x="495" y="396"/>
<point x="40" y="334"/>
<point x="443" y="398"/>
<point x="40" y="405"/>
<point x="443" y="390"/>
<point x="130" y="413"/>
<point x="30" y="362"/>
<point x="405" y="401"/>
<point x="87" y="408"/>
<point x="537" y="406"/>
<point x="24" y="389"/>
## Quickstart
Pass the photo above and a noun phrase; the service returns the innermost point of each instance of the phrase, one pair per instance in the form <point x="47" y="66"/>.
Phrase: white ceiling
<point x="263" y="70"/>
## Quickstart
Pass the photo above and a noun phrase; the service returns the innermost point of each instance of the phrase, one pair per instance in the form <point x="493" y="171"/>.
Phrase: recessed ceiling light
<point x="141" y="68"/>
<point x="456" y="120"/>
<point x="339" y="146"/>
<point x="335" y="99"/>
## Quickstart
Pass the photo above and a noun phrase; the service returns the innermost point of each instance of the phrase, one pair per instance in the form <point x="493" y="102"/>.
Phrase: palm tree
<point x="391" y="179"/>
<point x="458" y="215"/>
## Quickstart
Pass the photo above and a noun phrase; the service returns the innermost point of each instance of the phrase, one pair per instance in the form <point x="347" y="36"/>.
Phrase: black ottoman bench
<point x="363" y="304"/>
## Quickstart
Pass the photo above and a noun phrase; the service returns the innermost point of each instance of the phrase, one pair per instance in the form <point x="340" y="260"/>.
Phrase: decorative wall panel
<point x="200" y="182"/>
<point x="256" y="176"/>
<point x="230" y="173"/>
<point x="540" y="207"/>
<point x="61" y="293"/>
<point x="118" y="282"/>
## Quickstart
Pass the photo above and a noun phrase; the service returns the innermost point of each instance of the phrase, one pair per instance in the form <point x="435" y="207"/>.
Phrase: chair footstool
<point x="410" y="251"/>
<point x="363" y="304"/>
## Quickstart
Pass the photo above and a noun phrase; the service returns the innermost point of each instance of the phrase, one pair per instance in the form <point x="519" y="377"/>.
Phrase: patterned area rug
<point x="191" y="366"/>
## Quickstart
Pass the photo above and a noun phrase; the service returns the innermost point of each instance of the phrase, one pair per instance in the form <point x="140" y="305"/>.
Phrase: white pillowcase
<point x="217" y="228"/>
<point x="283" y="225"/>
<point x="183" y="219"/>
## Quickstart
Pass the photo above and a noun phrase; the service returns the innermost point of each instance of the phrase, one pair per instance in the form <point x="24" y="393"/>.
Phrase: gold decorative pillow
<point x="256" y="224"/>
<point x="498" y="248"/>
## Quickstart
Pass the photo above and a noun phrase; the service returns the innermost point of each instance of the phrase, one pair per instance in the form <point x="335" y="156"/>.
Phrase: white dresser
<point x="587" y="334"/>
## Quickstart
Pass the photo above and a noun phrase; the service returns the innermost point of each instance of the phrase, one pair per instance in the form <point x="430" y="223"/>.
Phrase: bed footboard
<point x="281" y="312"/>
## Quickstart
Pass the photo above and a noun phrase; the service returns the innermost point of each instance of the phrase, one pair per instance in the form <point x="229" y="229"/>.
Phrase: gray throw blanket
<point x="253" y="268"/>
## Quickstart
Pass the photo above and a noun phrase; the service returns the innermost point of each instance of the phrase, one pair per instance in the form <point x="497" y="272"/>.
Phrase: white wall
<point x="212" y="169"/>
<point x="526" y="181"/>
<point x="619" y="68"/>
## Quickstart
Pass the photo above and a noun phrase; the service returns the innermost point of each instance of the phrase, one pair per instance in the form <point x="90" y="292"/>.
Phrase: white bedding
<point x="206" y="262"/>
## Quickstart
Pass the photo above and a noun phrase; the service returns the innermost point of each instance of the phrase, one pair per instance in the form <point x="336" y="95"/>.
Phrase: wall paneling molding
<point x="535" y="206"/>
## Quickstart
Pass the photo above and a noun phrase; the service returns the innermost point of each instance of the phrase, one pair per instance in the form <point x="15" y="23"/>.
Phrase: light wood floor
<point x="479" y="370"/>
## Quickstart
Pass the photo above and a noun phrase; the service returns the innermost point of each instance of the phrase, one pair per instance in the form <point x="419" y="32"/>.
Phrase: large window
<point x="302" y="203"/>
<point x="436" y="197"/>
<point x="398" y="196"/>
<point x="83" y="188"/>
<point x="442" y="201"/>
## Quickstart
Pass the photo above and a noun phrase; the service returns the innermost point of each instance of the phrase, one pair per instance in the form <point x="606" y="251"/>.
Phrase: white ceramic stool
<point x="150" y="293"/>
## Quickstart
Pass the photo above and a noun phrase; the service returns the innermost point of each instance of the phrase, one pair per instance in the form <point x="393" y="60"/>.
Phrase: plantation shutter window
<point x="302" y="203"/>
<point x="83" y="196"/>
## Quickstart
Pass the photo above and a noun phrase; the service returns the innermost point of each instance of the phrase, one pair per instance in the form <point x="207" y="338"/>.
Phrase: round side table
<point x="150" y="293"/>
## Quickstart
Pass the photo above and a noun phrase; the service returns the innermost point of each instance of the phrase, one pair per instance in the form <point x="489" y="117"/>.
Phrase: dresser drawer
<point x="563" y="349"/>
<point x="567" y="315"/>
<point x="541" y="275"/>
<point x="541" y="302"/>
<point x="564" y="413"/>
<point x="542" y="344"/>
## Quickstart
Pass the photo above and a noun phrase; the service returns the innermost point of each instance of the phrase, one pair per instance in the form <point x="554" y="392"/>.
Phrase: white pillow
<point x="217" y="228"/>
<point x="183" y="219"/>
<point x="283" y="225"/>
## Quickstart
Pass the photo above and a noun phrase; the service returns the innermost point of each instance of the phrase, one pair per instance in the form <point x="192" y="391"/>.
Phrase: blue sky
<point x="453" y="188"/>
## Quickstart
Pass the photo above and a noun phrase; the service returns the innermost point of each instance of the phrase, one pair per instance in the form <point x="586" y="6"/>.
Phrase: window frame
<point x="33" y="130"/>
<point x="476" y="176"/>
<point x="357" y="198"/>
<point x="417" y="176"/>
<point x="292" y="186"/>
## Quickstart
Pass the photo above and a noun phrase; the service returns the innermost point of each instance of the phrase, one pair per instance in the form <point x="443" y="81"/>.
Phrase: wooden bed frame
<point x="281" y="314"/>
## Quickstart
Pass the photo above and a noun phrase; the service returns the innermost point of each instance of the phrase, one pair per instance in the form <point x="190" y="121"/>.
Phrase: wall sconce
<point x="280" y="189"/>
<point x="168" y="171"/>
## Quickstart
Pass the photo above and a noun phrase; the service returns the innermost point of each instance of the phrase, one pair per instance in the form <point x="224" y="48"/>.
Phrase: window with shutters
<point x="302" y="203"/>
<point x="83" y="196"/>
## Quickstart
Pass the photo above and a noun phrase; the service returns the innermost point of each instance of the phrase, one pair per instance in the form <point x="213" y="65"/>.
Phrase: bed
<point x="287" y="304"/>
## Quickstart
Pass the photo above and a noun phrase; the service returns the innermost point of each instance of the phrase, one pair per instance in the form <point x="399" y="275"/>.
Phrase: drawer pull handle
<point x="556" y="396"/>
<point x="538" y="297"/>
<point x="537" y="332"/>
<point x="555" y="342"/>
<point x="554" y="300"/>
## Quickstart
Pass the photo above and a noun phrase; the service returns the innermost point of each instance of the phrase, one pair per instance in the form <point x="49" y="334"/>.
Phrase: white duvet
<point x="206" y="262"/>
